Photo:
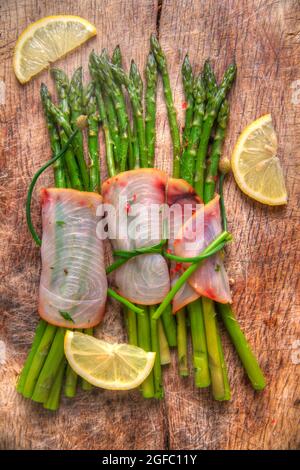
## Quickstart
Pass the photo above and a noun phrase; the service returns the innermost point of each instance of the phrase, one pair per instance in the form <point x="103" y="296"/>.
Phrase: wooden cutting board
<point x="263" y="37"/>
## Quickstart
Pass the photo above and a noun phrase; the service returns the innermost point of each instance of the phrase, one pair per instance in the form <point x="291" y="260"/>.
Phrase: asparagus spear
<point x="58" y="167"/>
<point x="182" y="343"/>
<point x="210" y="80"/>
<point x="155" y="346"/>
<point x="134" y="85"/>
<point x="53" y="400"/>
<point x="215" y="357"/>
<point x="50" y="368"/>
<point x="103" y="70"/>
<point x="150" y="101"/>
<point x="188" y="85"/>
<point x="212" y="109"/>
<point x="175" y="134"/>
<point x="103" y="117"/>
<point x="117" y="60"/>
<point x="116" y="57"/>
<point x="62" y="87"/>
<point x="75" y="101"/>
<point x="131" y="327"/>
<point x="144" y="342"/>
<point x="39" y="333"/>
<point x="189" y="154"/>
<point x="65" y="132"/>
<point x="93" y="145"/>
<point x="213" y="162"/>
<point x="169" y="323"/>
<point x="38" y="360"/>
<point x="164" y="351"/>
<point x="244" y="351"/>
<point x="200" y="357"/>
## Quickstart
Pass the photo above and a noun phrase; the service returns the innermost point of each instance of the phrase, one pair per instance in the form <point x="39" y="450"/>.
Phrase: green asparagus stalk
<point x="50" y="368"/>
<point x="131" y="327"/>
<point x="210" y="80"/>
<point x="188" y="85"/>
<point x="219" y="388"/>
<point x="65" y="133"/>
<point x="116" y="57"/>
<point x="38" y="360"/>
<point x="227" y="394"/>
<point x="58" y="167"/>
<point x="91" y="110"/>
<point x="188" y="160"/>
<point x="62" y="87"/>
<point x="200" y="358"/>
<point x="211" y="112"/>
<point x="213" y="162"/>
<point x="164" y="351"/>
<point x="150" y="101"/>
<point x="134" y="85"/>
<point x="70" y="387"/>
<point x="39" y="332"/>
<point x="106" y="130"/>
<point x="103" y="70"/>
<point x="169" y="323"/>
<point x="53" y="399"/>
<point x="182" y="343"/>
<point x="75" y="102"/>
<point x="144" y="341"/>
<point x="174" y="128"/>
<point x="155" y="346"/>
<point x="244" y="351"/>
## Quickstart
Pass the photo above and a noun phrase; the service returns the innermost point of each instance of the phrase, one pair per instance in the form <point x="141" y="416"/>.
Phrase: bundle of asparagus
<point x="130" y="144"/>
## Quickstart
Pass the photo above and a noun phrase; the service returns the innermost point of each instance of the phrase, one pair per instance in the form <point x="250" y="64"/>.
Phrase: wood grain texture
<point x="263" y="37"/>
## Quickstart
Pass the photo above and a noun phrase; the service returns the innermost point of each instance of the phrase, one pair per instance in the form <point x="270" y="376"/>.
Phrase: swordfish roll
<point x="138" y="198"/>
<point x="183" y="202"/>
<point x="73" y="285"/>
<point x="210" y="279"/>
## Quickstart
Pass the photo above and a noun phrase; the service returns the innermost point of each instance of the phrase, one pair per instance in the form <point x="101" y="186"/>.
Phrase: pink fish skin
<point x="210" y="279"/>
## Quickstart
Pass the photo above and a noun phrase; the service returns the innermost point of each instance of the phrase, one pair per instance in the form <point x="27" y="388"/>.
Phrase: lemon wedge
<point x="47" y="40"/>
<point x="255" y="164"/>
<point x="106" y="365"/>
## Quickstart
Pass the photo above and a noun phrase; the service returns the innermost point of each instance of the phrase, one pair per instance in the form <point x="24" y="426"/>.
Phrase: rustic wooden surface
<point x="263" y="37"/>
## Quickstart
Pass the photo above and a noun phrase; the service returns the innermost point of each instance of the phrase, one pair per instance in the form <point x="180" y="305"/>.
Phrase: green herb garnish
<point x="66" y="316"/>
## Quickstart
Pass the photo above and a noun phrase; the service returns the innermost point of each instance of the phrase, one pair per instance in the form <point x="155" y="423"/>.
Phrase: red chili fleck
<point x="127" y="207"/>
<point x="184" y="105"/>
<point x="169" y="251"/>
<point x="215" y="179"/>
<point x="178" y="267"/>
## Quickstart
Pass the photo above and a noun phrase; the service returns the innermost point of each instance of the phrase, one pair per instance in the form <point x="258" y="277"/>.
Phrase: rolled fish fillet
<point x="73" y="285"/>
<point x="180" y="196"/>
<point x="145" y="278"/>
<point x="210" y="279"/>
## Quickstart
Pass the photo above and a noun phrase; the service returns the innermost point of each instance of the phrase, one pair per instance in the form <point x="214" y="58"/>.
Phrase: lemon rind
<point x="101" y="384"/>
<point x="33" y="27"/>
<point x="265" y="119"/>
